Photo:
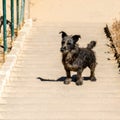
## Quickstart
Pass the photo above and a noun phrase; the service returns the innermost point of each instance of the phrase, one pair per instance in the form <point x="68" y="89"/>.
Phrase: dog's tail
<point x="91" y="45"/>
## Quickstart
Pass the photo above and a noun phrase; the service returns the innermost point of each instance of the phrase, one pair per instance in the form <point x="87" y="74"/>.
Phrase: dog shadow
<point x="61" y="79"/>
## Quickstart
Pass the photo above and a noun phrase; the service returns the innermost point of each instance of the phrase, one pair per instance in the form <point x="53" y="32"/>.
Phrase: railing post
<point x="12" y="21"/>
<point x="18" y="21"/>
<point x="4" y="29"/>
<point x="22" y="13"/>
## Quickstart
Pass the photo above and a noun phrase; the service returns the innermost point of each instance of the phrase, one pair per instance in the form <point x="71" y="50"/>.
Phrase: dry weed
<point x="115" y="30"/>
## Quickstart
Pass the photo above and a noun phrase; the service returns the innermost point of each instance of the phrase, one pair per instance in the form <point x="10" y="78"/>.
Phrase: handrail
<point x="20" y="15"/>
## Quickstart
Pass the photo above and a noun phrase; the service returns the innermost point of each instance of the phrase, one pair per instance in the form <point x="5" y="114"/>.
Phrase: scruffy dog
<point x="77" y="59"/>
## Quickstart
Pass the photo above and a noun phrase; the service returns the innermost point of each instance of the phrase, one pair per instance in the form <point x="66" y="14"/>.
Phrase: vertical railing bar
<point x="23" y="16"/>
<point x="18" y="21"/>
<point x="4" y="30"/>
<point x="22" y="13"/>
<point x="12" y="21"/>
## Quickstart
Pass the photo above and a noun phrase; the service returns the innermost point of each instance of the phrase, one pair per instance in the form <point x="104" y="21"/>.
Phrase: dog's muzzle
<point x="62" y="49"/>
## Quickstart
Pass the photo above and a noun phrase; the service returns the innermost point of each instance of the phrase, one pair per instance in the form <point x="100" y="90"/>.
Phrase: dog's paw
<point x="93" y="79"/>
<point x="79" y="82"/>
<point x="67" y="81"/>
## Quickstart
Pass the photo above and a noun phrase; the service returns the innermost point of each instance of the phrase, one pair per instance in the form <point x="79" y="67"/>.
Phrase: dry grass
<point x="115" y="31"/>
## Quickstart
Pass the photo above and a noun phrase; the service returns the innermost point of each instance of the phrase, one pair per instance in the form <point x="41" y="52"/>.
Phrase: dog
<point x="7" y="22"/>
<point x="77" y="59"/>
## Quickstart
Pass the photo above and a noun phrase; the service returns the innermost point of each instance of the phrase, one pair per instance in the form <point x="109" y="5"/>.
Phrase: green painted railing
<point x="12" y="21"/>
<point x="19" y="18"/>
<point x="4" y="29"/>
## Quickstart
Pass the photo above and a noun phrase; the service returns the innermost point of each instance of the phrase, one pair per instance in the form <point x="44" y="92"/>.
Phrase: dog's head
<point x="68" y="42"/>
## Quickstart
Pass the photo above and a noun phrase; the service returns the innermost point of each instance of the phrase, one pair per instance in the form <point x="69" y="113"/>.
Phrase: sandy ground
<point x="75" y="10"/>
<point x="72" y="10"/>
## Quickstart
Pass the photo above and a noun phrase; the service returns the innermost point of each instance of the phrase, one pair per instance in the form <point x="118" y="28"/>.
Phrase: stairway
<point x="35" y="90"/>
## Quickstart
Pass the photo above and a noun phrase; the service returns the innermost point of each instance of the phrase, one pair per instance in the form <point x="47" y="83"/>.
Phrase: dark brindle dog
<point x="77" y="59"/>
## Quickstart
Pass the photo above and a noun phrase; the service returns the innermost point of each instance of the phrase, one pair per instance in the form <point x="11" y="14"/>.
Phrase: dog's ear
<point x="76" y="38"/>
<point x="63" y="34"/>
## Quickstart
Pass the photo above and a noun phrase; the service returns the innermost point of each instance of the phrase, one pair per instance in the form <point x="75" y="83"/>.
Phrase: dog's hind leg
<point x="92" y="72"/>
<point x="68" y="79"/>
<point x="79" y="78"/>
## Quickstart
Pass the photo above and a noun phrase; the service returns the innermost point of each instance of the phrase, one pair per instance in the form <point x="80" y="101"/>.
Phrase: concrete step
<point x="59" y="107"/>
<point x="60" y="115"/>
<point x="50" y="98"/>
<point x="44" y="93"/>
<point x="88" y="88"/>
<point x="26" y="97"/>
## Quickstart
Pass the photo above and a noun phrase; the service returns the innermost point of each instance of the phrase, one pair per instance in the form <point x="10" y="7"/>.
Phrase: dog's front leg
<point x="79" y="78"/>
<point x="68" y="79"/>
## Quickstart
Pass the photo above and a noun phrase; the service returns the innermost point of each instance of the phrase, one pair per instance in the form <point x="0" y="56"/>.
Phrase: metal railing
<point x="15" y="23"/>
